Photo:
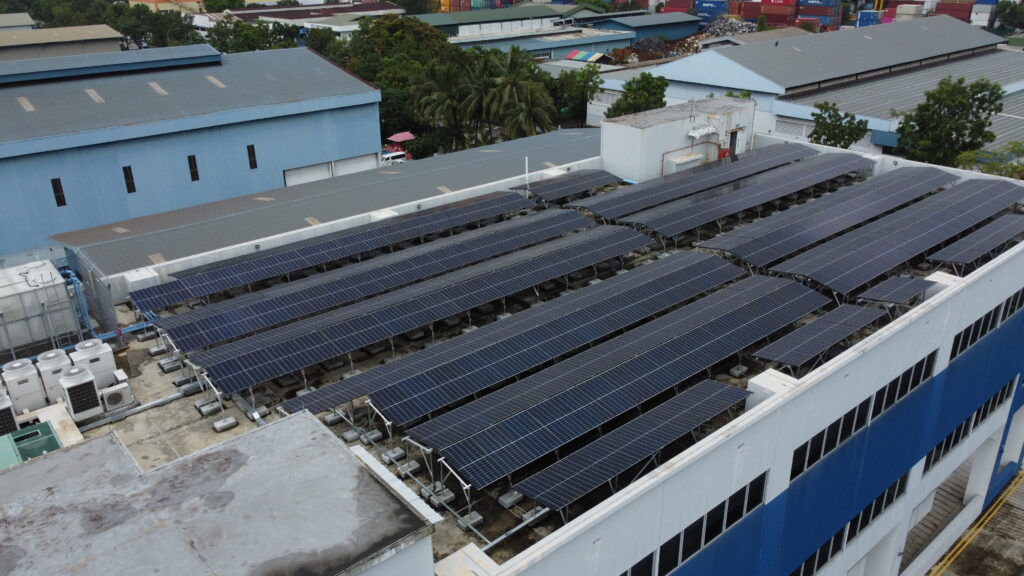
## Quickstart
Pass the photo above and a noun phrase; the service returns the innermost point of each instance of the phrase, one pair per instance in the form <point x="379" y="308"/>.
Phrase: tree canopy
<point x="645" y="92"/>
<point x="954" y="118"/>
<point x="573" y="90"/>
<point x="239" y="36"/>
<point x="1005" y="161"/>
<point x="1010" y="14"/>
<point x="834" y="128"/>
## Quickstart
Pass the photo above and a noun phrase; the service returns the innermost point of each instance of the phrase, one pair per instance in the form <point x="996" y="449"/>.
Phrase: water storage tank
<point x="83" y="401"/>
<point x="24" y="385"/>
<point x="98" y="357"/>
<point x="36" y="305"/>
<point x="50" y="364"/>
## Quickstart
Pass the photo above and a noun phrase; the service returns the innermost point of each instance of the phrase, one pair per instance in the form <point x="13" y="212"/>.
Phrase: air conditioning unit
<point x="98" y="357"/>
<point x="50" y="365"/>
<point x="83" y="400"/>
<point x="8" y="422"/>
<point x="24" y="385"/>
<point x="117" y="396"/>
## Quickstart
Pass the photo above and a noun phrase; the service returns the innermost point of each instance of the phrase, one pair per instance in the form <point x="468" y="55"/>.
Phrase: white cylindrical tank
<point x="50" y="364"/>
<point x="24" y="385"/>
<point x="36" y="305"/>
<point x="80" y="394"/>
<point x="98" y="357"/>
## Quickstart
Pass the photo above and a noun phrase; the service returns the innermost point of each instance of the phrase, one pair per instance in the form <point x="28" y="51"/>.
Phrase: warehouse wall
<point x="94" y="185"/>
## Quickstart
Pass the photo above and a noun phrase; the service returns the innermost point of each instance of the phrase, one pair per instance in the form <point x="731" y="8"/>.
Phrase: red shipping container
<point x="771" y="9"/>
<point x="751" y="9"/>
<point x="815" y="23"/>
<point x="779" y="19"/>
<point x="685" y="4"/>
<point x="820" y="10"/>
<point x="779" y="2"/>
<point x="735" y="7"/>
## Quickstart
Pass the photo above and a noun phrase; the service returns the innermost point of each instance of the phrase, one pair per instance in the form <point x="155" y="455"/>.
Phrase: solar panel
<point x="604" y="459"/>
<point x="416" y="385"/>
<point x="293" y="257"/>
<point x="575" y="182"/>
<point x="208" y="325"/>
<point x="783" y="233"/>
<point x="680" y="216"/>
<point x="858" y="257"/>
<point x="553" y="407"/>
<point x="982" y="241"/>
<point x="289" y="348"/>
<point x="642" y="196"/>
<point x="896" y="290"/>
<point x="812" y="340"/>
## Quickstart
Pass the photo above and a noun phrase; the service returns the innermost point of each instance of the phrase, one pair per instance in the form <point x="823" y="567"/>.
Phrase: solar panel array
<point x="416" y="385"/>
<point x="812" y="340"/>
<point x="208" y="325"/>
<point x="604" y="459"/>
<point x="240" y="364"/>
<point x="551" y="408"/>
<point x="858" y="257"/>
<point x="783" y="233"/>
<point x="896" y="290"/>
<point x="642" y="196"/>
<point x="981" y="241"/>
<point x="705" y="208"/>
<point x="290" y="258"/>
<point x="576" y="182"/>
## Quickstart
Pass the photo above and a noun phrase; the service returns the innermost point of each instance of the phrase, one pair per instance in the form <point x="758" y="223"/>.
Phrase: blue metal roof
<point x="78" y="65"/>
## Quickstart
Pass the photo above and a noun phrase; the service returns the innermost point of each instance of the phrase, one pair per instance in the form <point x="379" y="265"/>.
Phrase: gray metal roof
<point x="901" y="92"/>
<point x="803" y="60"/>
<point x="28" y="69"/>
<point x="286" y="498"/>
<point x="655" y="19"/>
<point x="199" y="229"/>
<point x="16" y="19"/>
<point x="250" y="79"/>
<point x="754" y="37"/>
<point x="57" y="35"/>
<point x="1009" y="124"/>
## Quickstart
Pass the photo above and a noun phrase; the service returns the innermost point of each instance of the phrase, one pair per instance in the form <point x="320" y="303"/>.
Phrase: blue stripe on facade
<point x="777" y="537"/>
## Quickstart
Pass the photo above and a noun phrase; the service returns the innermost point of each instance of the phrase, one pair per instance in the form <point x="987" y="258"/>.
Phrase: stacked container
<point x="868" y="18"/>
<point x="709" y="10"/>
<point x="958" y="10"/>
<point x="750" y="11"/>
<point x="779" y="12"/>
<point x="678" y="6"/>
<point x="828" y="13"/>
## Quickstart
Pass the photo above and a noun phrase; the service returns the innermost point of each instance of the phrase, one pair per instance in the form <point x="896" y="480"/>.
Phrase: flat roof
<point x="764" y="36"/>
<point x="903" y="91"/>
<point x="246" y="80"/>
<point x="659" y="116"/>
<point x="547" y="38"/>
<point x="16" y="19"/>
<point x="494" y="15"/>
<point x="286" y="498"/>
<point x="77" y="65"/>
<point x="189" y="231"/>
<point x="10" y="38"/>
<point x="665" y="18"/>
<point x="317" y="11"/>
<point x="802" y="60"/>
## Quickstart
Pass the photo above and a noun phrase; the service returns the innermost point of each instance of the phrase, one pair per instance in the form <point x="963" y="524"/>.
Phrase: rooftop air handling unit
<point x="50" y="364"/>
<point x="24" y="386"/>
<point x="83" y="400"/>
<point x="98" y="357"/>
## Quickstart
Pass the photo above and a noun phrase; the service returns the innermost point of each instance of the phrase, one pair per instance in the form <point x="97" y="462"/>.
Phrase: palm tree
<point x="480" y="72"/>
<point x="438" y="98"/>
<point x="519" y="98"/>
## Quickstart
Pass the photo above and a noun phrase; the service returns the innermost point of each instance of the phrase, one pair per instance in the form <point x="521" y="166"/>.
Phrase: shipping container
<point x="779" y="2"/>
<point x="820" y="11"/>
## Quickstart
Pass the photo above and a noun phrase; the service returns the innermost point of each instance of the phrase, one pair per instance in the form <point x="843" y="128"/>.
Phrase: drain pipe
<point x="72" y="280"/>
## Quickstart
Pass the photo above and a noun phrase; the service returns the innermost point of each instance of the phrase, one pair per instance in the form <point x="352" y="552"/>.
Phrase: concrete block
<point x="183" y="380"/>
<point x="158" y="350"/>
<point x="286" y="381"/>
<point x="445" y="496"/>
<point x="427" y="491"/>
<point x="534" y="516"/>
<point x="393" y="456"/>
<point x="738" y="371"/>
<point x="304" y="391"/>
<point x="371" y="437"/>
<point x="262" y="411"/>
<point x="409" y="468"/>
<point x="469" y="329"/>
<point x="225" y="424"/>
<point x="333" y="364"/>
<point x="510" y="499"/>
<point x="146" y="335"/>
<point x="209" y="409"/>
<point x="473" y="519"/>
<point x="333" y="418"/>
<point x="352" y="434"/>
<point x="168" y="365"/>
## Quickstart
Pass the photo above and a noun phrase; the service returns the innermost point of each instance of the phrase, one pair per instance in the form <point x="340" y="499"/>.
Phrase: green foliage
<point x="426" y="144"/>
<point x="222" y="5"/>
<point x="595" y="5"/>
<point x="320" y="40"/>
<point x="1006" y="161"/>
<point x="287" y="3"/>
<point x="418" y="6"/>
<point x="628" y="7"/>
<point x="239" y="36"/>
<point x="809" y="26"/>
<point x="645" y="92"/>
<point x="745" y="94"/>
<point x="833" y="128"/>
<point x="1010" y="14"/>
<point x="762" y="23"/>
<point x="954" y="118"/>
<point x="573" y="90"/>
<point x="141" y="26"/>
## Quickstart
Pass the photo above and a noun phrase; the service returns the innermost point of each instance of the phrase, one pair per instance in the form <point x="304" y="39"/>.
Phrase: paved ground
<point x="997" y="546"/>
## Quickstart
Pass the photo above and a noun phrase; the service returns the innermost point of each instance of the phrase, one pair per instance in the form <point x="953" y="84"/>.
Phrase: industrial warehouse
<point x="669" y="345"/>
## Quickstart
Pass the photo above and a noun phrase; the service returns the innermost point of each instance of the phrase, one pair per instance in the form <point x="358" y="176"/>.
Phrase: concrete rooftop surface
<point x="287" y="498"/>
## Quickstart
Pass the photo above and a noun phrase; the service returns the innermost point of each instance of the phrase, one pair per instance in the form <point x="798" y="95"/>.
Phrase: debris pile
<point x="652" y="48"/>
<point x="728" y="27"/>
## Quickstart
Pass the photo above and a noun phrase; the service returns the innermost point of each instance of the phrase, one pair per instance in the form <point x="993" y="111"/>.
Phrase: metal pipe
<point x="138" y="409"/>
<point x="514" y="529"/>
<point x="248" y="408"/>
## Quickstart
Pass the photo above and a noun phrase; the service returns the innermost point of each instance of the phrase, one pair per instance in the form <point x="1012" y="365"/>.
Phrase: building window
<point x="129" y="179"/>
<point x="58" y="192"/>
<point x="967" y="426"/>
<point x="193" y="168"/>
<point x="969" y="336"/>
<point x="251" y="149"/>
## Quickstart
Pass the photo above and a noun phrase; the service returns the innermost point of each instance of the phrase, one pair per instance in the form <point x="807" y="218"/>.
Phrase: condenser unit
<point x="8" y="422"/>
<point x="117" y="396"/>
<point x="83" y="400"/>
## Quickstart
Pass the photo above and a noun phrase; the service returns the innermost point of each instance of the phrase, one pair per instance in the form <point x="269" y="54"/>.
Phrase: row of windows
<point x="1013" y="304"/>
<point x="816" y="561"/>
<point x="129" y="178"/>
<point x="682" y="546"/>
<point x="830" y="438"/>
<point x="964" y="429"/>
<point x="976" y="331"/>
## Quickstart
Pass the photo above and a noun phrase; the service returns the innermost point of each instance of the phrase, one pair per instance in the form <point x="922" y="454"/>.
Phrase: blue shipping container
<point x="825" y="20"/>
<point x="820" y="2"/>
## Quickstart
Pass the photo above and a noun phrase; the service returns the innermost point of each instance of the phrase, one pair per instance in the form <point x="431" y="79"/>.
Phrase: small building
<point x="19" y="44"/>
<point x="667" y="25"/>
<point x="16" y="21"/>
<point x="92" y="139"/>
<point x="286" y="498"/>
<point x="183" y="6"/>
<point x="646" y="145"/>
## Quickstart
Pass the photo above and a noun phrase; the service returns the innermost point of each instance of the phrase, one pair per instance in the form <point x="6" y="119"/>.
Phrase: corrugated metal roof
<point x="755" y="37"/>
<point x="54" y="35"/>
<point x="901" y="92"/>
<point x="249" y="80"/>
<point x="198" y="229"/>
<point x="28" y="69"/>
<point x="662" y="19"/>
<point x="16" y="19"/>
<point x="310" y="12"/>
<point x="1009" y="124"/>
<point x="793" y="62"/>
<point x="480" y="16"/>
